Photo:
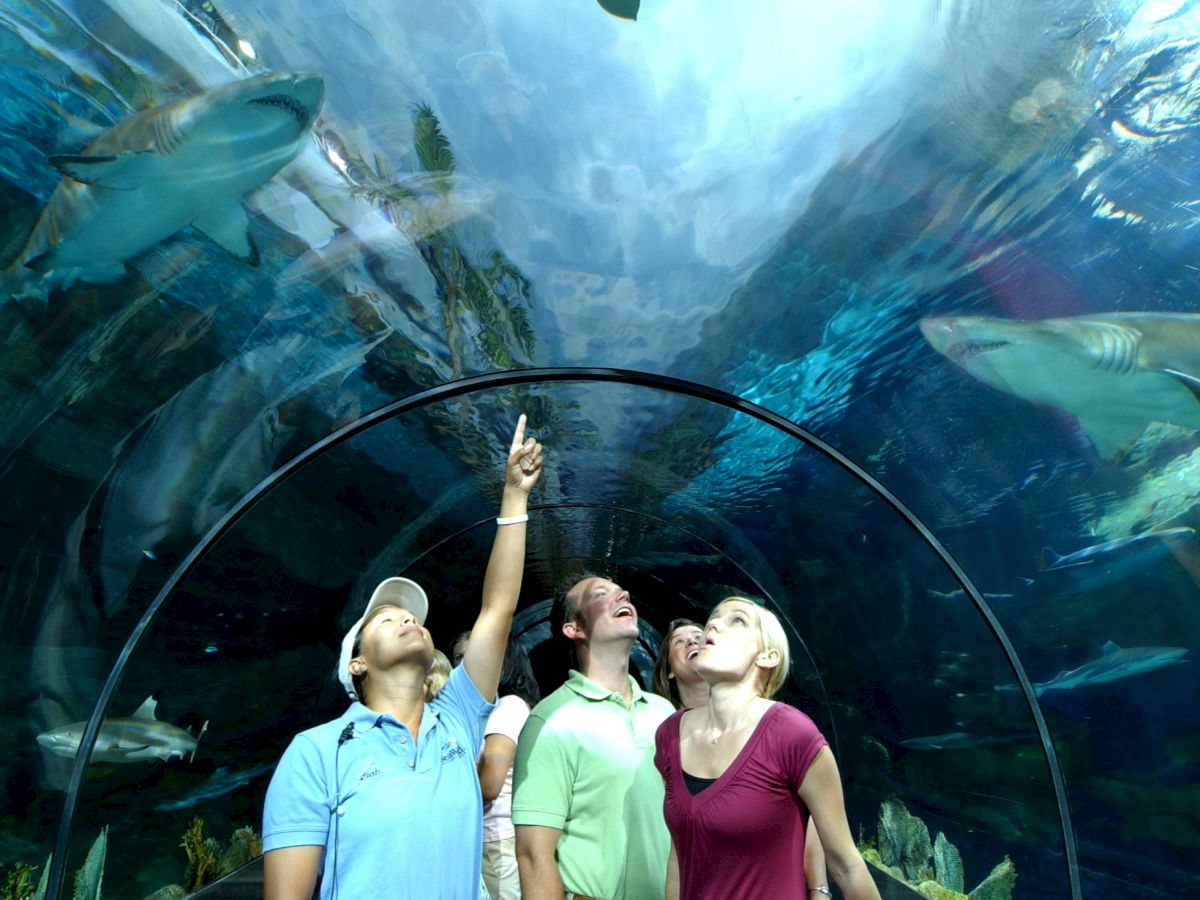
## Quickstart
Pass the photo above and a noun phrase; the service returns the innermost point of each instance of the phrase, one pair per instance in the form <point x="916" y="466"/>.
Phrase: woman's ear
<point x="358" y="666"/>
<point x="768" y="659"/>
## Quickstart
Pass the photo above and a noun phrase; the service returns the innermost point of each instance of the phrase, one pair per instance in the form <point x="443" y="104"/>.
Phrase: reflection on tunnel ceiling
<point x="954" y="240"/>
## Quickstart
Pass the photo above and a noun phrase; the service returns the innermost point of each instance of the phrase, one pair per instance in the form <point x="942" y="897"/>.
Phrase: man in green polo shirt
<point x="587" y="800"/>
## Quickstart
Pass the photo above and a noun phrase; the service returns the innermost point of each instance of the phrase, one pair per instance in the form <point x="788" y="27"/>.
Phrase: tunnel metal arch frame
<point x="495" y="380"/>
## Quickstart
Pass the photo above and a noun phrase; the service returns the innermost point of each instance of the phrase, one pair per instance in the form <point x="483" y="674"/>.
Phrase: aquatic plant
<point x="947" y="864"/>
<point x="18" y="884"/>
<point x="904" y="842"/>
<point x="170" y="892"/>
<point x="999" y="884"/>
<point x="905" y="853"/>
<point x="89" y="878"/>
<point x="201" y="854"/>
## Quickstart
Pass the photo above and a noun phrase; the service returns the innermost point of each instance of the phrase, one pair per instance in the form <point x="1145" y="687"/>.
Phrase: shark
<point x="223" y="781"/>
<point x="189" y="162"/>
<point x="962" y="740"/>
<point x="1115" y="373"/>
<point x="1115" y="561"/>
<point x="139" y="738"/>
<point x="1113" y="664"/>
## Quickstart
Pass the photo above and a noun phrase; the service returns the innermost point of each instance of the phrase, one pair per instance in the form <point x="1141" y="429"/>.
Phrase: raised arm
<point x="822" y="794"/>
<point x="502" y="582"/>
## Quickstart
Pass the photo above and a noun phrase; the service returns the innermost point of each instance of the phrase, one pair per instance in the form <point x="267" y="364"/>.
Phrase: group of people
<point x="599" y="791"/>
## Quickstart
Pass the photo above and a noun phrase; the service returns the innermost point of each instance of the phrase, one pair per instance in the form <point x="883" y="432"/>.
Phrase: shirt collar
<point x="587" y="688"/>
<point x="365" y="718"/>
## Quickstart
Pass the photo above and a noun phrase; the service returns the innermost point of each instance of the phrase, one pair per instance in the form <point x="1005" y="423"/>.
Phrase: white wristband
<point x="512" y="520"/>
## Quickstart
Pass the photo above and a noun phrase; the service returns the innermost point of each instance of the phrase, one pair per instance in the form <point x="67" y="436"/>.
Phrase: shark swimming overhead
<point x="1114" y="372"/>
<point x="139" y="738"/>
<point x="189" y="162"/>
<point x="1117" y="560"/>
<point x="1113" y="664"/>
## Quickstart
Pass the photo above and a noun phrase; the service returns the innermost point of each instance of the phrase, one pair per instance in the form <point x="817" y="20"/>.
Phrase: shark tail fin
<point x="1050" y="559"/>
<point x="203" y="728"/>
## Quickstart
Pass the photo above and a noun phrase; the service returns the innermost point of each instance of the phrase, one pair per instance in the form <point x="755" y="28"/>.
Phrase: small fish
<point x="963" y="740"/>
<point x="138" y="738"/>
<point x="223" y="781"/>
<point x="959" y="595"/>
<point x="1114" y="663"/>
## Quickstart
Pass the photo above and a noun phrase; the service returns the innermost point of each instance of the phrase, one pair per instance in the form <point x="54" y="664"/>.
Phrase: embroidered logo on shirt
<point x="452" y="751"/>
<point x="371" y="772"/>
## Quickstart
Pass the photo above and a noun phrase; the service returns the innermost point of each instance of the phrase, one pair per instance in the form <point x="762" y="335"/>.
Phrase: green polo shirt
<point x="585" y="765"/>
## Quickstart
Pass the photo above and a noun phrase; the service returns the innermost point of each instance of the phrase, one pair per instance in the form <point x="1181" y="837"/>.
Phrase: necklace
<point x="738" y="727"/>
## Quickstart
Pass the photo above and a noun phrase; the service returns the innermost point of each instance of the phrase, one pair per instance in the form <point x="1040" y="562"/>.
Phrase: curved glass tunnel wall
<point x="681" y="500"/>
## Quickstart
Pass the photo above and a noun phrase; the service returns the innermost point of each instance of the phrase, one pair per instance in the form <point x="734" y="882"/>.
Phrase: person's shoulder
<point x="319" y="739"/>
<point x="553" y="702"/>
<point x="333" y="726"/>
<point x="659" y="704"/>
<point x="670" y="725"/>
<point x="512" y="704"/>
<point x="791" y="721"/>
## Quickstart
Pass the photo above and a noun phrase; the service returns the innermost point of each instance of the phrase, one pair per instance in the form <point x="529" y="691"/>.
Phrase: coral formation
<point x="17" y="883"/>
<point x="905" y="853"/>
<point x="244" y="846"/>
<point x="201" y="855"/>
<point x="206" y="863"/>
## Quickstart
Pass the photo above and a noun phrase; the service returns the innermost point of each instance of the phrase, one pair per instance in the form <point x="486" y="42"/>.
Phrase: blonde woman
<point x="745" y="773"/>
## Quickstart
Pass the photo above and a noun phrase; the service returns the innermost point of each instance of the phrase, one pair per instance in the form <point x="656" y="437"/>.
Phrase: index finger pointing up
<point x="518" y="435"/>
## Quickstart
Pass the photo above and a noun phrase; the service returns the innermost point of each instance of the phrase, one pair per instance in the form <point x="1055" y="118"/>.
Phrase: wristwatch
<point x="821" y="889"/>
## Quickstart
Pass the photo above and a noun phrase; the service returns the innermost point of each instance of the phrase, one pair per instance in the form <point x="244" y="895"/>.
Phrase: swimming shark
<point x="1114" y="372"/>
<point x="962" y="740"/>
<point x="189" y="162"/>
<point x="1116" y="560"/>
<point x="141" y="737"/>
<point x="223" y="781"/>
<point x="1113" y="663"/>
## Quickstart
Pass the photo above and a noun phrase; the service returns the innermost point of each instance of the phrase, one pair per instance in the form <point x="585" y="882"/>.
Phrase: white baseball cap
<point x="396" y="591"/>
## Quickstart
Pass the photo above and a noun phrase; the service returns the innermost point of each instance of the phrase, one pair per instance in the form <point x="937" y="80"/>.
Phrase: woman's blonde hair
<point x="438" y="675"/>
<point x="771" y="636"/>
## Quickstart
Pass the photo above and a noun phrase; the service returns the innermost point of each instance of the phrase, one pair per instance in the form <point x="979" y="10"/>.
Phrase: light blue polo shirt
<point x="399" y="818"/>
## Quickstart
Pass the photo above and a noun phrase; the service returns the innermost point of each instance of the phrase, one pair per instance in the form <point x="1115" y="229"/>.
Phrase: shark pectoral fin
<point x="1111" y="432"/>
<point x="1191" y="382"/>
<point x="121" y="171"/>
<point x="230" y="227"/>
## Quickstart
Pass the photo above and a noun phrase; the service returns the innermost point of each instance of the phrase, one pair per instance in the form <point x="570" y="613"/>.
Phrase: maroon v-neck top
<point x="742" y="838"/>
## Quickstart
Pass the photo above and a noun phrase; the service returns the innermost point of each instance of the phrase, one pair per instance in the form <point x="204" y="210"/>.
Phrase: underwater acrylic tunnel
<point x="673" y="564"/>
<point x="883" y="312"/>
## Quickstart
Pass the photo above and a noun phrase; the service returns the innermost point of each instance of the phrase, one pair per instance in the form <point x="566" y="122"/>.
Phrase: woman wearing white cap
<point x="383" y="802"/>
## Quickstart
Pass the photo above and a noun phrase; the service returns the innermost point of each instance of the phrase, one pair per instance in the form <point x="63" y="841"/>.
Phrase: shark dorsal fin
<point x="1109" y="648"/>
<point x="146" y="710"/>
